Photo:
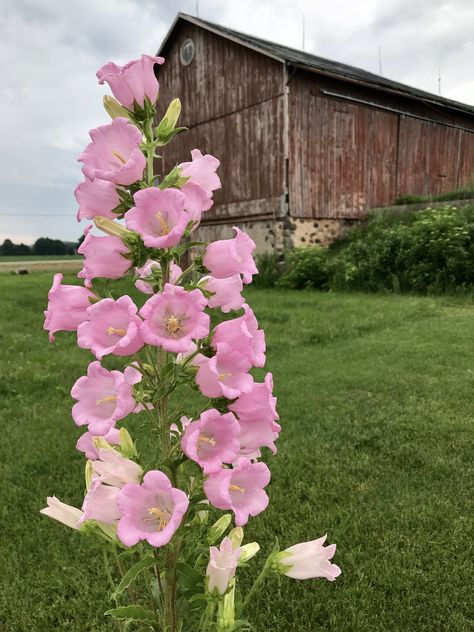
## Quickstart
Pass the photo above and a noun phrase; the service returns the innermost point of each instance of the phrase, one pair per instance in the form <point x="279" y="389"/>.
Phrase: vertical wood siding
<point x="232" y="102"/>
<point x="346" y="158"/>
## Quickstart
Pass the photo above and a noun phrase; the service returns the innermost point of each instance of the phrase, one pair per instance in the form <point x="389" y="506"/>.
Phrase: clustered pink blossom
<point x="167" y="340"/>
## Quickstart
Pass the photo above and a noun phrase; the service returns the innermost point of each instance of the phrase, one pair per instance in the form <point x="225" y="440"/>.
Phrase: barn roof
<point x="302" y="59"/>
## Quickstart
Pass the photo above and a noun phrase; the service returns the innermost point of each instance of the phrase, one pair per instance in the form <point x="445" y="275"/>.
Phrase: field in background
<point x="35" y="263"/>
<point x="376" y="400"/>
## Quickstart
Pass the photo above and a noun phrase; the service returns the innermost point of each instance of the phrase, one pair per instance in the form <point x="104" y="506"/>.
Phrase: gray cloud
<point x="51" y="50"/>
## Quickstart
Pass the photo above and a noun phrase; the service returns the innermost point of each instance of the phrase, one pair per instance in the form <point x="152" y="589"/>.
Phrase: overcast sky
<point x="51" y="49"/>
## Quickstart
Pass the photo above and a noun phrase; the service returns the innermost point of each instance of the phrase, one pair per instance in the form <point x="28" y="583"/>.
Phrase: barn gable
<point x="307" y="145"/>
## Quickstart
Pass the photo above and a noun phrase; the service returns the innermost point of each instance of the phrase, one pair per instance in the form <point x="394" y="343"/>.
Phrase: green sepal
<point x="173" y="179"/>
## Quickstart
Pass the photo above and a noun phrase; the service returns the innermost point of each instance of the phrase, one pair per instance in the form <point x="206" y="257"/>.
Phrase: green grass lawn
<point x="376" y="400"/>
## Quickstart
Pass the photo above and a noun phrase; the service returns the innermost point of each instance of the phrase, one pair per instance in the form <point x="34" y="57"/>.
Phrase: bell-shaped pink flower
<point x="158" y="217"/>
<point x="242" y="334"/>
<point x="114" y="153"/>
<point x="67" y="307"/>
<point x="310" y="559"/>
<point x="111" y="327"/>
<point x="70" y="516"/>
<point x="212" y="440"/>
<point x="258" y="403"/>
<point x="240" y="489"/>
<point x="144" y="283"/>
<point x="227" y="257"/>
<point x="174" y="317"/>
<point x="96" y="198"/>
<point x="132" y="82"/>
<point x="104" y="397"/>
<point x="202" y="170"/>
<point x="151" y="511"/>
<point x="114" y="469"/>
<point x="222" y="566"/>
<point x="255" y="434"/>
<point x="100" y="503"/>
<point x="104" y="257"/>
<point x="196" y="201"/>
<point x="86" y="444"/>
<point x="226" y="292"/>
<point x="225" y="374"/>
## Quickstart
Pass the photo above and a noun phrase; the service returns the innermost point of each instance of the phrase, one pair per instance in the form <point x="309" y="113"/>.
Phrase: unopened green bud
<point x="113" y="108"/>
<point x="167" y="126"/>
<point x="101" y="444"/>
<point x="236" y="536"/>
<point x="88" y="474"/>
<point x="127" y="447"/>
<point x="248" y="551"/>
<point x="219" y="528"/>
<point x="110" y="227"/>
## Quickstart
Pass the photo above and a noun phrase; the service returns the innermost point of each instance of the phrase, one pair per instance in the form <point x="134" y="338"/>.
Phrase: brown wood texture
<point x="232" y="102"/>
<point x="347" y="157"/>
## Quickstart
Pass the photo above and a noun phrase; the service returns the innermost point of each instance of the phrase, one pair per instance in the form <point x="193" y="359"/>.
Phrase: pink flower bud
<point x="222" y="566"/>
<point x="70" y="516"/>
<point x="308" y="560"/>
<point x="114" y="469"/>
<point x="100" y="503"/>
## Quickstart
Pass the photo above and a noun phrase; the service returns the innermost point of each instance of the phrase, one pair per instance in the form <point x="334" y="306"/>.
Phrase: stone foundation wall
<point x="276" y="237"/>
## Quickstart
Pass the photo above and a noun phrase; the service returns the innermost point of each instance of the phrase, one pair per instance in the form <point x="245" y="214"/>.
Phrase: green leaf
<point x="132" y="574"/>
<point x="189" y="578"/>
<point x="132" y="613"/>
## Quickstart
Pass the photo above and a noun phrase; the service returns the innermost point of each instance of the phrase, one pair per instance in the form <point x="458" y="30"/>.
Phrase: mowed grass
<point x="376" y="403"/>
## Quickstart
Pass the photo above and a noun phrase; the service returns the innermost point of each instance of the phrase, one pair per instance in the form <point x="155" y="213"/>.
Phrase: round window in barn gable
<point x="186" y="54"/>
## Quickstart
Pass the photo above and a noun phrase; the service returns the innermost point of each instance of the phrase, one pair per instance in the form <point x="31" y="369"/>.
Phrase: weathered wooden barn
<point x="306" y="145"/>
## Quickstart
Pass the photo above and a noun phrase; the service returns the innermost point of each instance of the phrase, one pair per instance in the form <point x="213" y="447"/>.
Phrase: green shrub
<point x="429" y="251"/>
<point x="269" y="270"/>
<point x="306" y="268"/>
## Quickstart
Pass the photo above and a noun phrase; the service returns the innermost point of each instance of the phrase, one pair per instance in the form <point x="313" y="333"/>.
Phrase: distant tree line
<point x="42" y="246"/>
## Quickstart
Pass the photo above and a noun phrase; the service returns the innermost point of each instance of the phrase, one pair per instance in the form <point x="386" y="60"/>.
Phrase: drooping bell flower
<point x="86" y="444"/>
<point x="104" y="257"/>
<point x="151" y="511"/>
<point x="104" y="397"/>
<point x="308" y="560"/>
<point x="240" y="489"/>
<point x="258" y="403"/>
<point x="222" y="566"/>
<point x="132" y="82"/>
<point x="114" y="153"/>
<point x="196" y="202"/>
<point x="226" y="257"/>
<point x="202" y="171"/>
<point x="100" y="503"/>
<point x="96" y="198"/>
<point x="67" y="306"/>
<point x="111" y="327"/>
<point x="256" y="434"/>
<point x="225" y="374"/>
<point x="144" y="282"/>
<point x="158" y="216"/>
<point x="242" y="334"/>
<point x="70" y="516"/>
<point x="212" y="440"/>
<point x="174" y="318"/>
<point x="226" y="292"/>
<point x="114" y="469"/>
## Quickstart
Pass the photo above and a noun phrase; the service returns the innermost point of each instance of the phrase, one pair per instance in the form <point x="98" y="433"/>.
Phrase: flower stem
<point x="257" y="583"/>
